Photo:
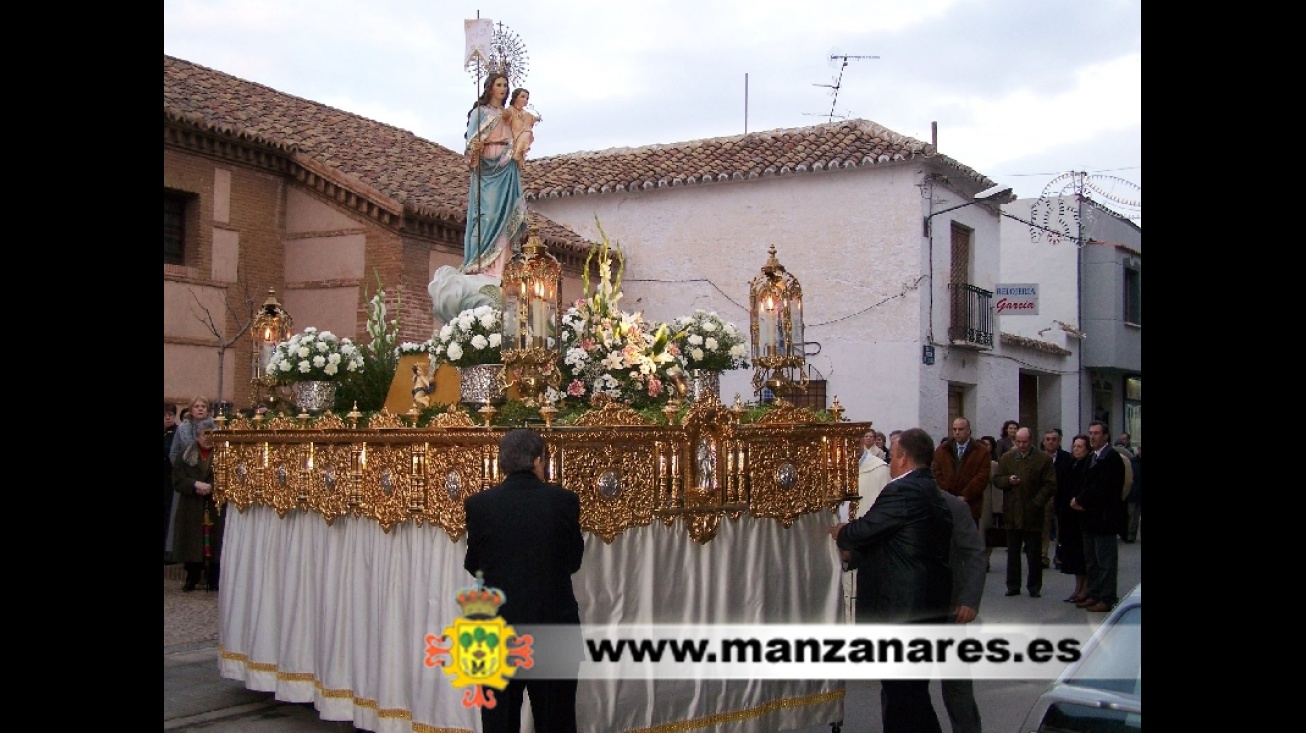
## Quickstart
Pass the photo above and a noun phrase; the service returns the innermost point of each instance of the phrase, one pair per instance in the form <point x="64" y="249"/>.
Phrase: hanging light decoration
<point x="775" y="309"/>
<point x="532" y="319"/>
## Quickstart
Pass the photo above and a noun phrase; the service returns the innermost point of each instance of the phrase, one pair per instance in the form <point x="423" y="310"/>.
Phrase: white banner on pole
<point x="479" y="31"/>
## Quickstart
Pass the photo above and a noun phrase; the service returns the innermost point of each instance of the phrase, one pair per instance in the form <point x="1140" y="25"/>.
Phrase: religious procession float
<point x="345" y="533"/>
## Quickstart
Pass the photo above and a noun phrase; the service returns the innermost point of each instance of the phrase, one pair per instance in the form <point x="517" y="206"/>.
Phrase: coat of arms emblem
<point x="479" y="649"/>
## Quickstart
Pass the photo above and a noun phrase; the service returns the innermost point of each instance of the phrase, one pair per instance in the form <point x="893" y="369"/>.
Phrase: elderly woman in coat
<point x="197" y="532"/>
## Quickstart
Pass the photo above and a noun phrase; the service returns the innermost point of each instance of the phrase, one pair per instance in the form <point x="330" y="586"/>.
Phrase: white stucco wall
<point x="1052" y="263"/>
<point x="989" y="380"/>
<point x="854" y="240"/>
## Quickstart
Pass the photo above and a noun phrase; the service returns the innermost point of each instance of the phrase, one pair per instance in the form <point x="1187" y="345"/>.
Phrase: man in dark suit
<point x="1062" y="464"/>
<point x="1102" y="505"/>
<point x="901" y="548"/>
<point x="524" y="536"/>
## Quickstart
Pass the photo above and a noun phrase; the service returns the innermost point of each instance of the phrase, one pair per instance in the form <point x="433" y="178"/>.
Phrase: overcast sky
<point x="1024" y="91"/>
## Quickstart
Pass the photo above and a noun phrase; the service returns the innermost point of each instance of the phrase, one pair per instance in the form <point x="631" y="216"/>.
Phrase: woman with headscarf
<point x="199" y="410"/>
<point x="181" y="440"/>
<point x="197" y="531"/>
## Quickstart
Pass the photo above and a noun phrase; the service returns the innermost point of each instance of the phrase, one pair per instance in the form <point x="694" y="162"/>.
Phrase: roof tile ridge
<point x="297" y="97"/>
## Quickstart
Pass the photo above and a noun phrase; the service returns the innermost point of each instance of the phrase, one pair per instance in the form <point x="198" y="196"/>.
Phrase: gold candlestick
<point x="837" y="409"/>
<point x="548" y="412"/>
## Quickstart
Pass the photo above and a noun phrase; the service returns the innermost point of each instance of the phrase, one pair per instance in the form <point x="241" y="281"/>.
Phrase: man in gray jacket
<point x="966" y="558"/>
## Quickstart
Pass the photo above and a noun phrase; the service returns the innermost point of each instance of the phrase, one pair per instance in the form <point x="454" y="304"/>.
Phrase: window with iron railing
<point x="972" y="315"/>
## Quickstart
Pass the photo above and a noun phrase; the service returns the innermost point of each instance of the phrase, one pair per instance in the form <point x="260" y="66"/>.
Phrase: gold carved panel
<point x="627" y="472"/>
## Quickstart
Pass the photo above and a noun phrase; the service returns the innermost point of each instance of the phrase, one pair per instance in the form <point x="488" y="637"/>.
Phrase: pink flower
<point x="576" y="388"/>
<point x="654" y="387"/>
<point x="587" y="344"/>
<point x="673" y="349"/>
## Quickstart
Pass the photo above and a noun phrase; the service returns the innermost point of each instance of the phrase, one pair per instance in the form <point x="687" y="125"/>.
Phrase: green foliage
<point x="369" y="388"/>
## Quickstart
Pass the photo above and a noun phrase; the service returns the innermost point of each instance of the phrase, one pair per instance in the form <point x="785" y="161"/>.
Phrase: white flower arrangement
<point x="474" y="337"/>
<point x="710" y="342"/>
<point x="409" y="348"/>
<point x="314" y="355"/>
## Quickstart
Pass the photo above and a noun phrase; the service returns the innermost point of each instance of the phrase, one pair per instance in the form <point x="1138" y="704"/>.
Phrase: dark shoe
<point x="1087" y="602"/>
<point x="1073" y="598"/>
<point x="1046" y="562"/>
<point x="188" y="588"/>
<point x="213" y="588"/>
<point x="1098" y="607"/>
<point x="1013" y="592"/>
<point x="1035" y="594"/>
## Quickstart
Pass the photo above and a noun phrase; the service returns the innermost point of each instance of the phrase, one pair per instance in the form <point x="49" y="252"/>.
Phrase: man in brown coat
<point x="961" y="467"/>
<point x="1029" y="479"/>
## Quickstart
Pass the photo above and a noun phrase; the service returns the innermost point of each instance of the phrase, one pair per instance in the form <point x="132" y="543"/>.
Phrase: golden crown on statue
<point x="480" y="600"/>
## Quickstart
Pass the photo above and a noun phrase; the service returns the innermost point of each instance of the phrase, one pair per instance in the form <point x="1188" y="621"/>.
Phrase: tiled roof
<point x="844" y="144"/>
<point x="426" y="178"/>
<point x="1046" y="347"/>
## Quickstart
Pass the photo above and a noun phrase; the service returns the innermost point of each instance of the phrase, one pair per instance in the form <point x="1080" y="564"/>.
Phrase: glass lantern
<point x="532" y="319"/>
<point x="271" y="326"/>
<point x="775" y="309"/>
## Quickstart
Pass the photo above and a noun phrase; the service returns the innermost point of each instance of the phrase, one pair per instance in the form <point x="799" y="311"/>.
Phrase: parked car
<point x="1103" y="691"/>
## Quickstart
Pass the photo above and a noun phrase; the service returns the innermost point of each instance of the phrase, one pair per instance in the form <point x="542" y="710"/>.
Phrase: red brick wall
<point x="258" y="215"/>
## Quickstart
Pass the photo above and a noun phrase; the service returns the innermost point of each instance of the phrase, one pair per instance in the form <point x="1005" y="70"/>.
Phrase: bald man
<point x="1029" y="479"/>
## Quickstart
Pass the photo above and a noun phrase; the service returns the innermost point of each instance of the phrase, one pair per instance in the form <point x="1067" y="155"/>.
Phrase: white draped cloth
<point x="337" y="615"/>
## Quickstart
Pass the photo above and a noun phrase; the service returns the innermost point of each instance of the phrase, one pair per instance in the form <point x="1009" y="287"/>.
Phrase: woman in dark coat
<point x="1007" y="437"/>
<point x="192" y="477"/>
<point x="1070" y="544"/>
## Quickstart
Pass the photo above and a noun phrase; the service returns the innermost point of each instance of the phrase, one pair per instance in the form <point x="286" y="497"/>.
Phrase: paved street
<point x="196" y="698"/>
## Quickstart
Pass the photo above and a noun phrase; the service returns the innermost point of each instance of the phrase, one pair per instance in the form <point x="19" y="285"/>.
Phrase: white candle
<point x="766" y="327"/>
<point x="538" y="320"/>
<point x="781" y="343"/>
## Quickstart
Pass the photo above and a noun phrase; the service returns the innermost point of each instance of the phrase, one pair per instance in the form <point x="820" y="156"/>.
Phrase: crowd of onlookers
<point x="918" y="546"/>
<point x="1020" y="496"/>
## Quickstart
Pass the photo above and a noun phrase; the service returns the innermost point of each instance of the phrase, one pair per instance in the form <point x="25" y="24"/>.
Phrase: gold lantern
<point x="775" y="310"/>
<point x="271" y="326"/>
<point x="532" y="319"/>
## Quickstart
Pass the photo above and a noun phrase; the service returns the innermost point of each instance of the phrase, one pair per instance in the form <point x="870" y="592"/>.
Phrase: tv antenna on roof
<point x="840" y="60"/>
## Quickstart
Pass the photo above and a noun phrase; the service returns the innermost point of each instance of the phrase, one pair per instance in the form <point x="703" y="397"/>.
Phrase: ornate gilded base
<point x="626" y="470"/>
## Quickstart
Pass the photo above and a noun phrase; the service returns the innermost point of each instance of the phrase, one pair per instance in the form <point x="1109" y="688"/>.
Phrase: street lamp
<point x="532" y="312"/>
<point x="775" y="310"/>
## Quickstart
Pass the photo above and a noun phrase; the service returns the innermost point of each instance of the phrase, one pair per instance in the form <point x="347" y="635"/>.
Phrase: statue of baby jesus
<point x="521" y="122"/>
